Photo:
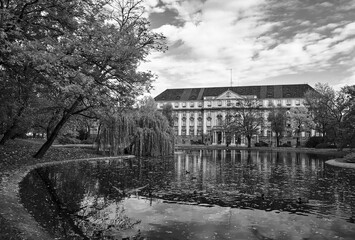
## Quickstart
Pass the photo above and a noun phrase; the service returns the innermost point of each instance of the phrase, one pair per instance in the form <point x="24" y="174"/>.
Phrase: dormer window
<point x="228" y="94"/>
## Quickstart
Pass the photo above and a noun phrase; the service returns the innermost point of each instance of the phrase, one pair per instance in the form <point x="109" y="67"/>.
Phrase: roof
<point x="264" y="91"/>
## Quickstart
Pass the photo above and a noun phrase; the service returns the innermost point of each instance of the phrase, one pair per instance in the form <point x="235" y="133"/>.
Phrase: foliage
<point x="261" y="144"/>
<point x="300" y="121"/>
<point x="77" y="55"/>
<point x="143" y="131"/>
<point x="247" y="119"/>
<point x="68" y="140"/>
<point x="168" y="113"/>
<point x="312" y="142"/>
<point x="325" y="145"/>
<point x="333" y="112"/>
<point x="277" y="118"/>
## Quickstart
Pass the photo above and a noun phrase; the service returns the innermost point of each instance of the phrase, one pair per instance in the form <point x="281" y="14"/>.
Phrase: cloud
<point x="258" y="39"/>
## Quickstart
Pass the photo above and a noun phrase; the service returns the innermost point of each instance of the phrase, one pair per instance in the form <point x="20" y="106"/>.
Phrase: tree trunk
<point x="8" y="134"/>
<point x="249" y="141"/>
<point x="50" y="139"/>
<point x="10" y="131"/>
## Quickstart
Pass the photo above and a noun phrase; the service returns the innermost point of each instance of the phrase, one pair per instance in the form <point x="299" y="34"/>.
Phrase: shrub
<point x="88" y="141"/>
<point x="325" y="145"/>
<point x="261" y="144"/>
<point x="314" y="141"/>
<point x="286" y="145"/>
<point x="67" y="140"/>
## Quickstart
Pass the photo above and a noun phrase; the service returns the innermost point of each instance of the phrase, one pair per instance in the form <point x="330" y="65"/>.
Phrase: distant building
<point x="199" y="113"/>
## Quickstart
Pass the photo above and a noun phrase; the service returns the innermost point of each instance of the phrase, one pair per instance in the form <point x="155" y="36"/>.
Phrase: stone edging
<point x="13" y="211"/>
<point x="340" y="163"/>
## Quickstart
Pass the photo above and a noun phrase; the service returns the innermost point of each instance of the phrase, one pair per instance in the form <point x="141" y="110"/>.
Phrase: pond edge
<point x="12" y="210"/>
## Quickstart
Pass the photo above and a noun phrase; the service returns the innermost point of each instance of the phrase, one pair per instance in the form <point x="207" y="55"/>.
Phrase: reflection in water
<point x="241" y="194"/>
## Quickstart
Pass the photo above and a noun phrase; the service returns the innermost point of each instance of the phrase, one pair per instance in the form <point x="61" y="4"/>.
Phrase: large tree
<point x="301" y="121"/>
<point x="97" y="65"/>
<point x="247" y="120"/>
<point x="331" y="111"/>
<point x="277" y="118"/>
<point x="26" y="26"/>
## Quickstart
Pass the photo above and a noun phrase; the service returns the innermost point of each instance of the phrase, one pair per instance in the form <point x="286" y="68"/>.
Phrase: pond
<point x="209" y="194"/>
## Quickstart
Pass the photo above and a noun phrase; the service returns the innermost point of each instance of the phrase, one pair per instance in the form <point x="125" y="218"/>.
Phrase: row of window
<point x="236" y="103"/>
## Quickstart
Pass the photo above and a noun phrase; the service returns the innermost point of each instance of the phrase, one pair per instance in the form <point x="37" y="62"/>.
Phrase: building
<point x="199" y="113"/>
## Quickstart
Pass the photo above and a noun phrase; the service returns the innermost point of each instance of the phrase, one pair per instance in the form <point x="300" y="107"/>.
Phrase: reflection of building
<point x="200" y="113"/>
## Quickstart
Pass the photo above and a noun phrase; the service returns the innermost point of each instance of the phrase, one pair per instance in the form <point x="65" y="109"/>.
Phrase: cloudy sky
<point x="262" y="41"/>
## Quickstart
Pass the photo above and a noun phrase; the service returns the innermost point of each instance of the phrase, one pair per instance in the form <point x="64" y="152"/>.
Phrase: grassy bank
<point x="15" y="158"/>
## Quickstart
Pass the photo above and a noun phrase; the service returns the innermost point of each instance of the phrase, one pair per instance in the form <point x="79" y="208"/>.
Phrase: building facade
<point x="200" y="113"/>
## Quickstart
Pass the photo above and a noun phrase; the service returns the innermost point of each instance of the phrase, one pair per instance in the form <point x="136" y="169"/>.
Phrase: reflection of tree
<point x="103" y="218"/>
<point x="77" y="200"/>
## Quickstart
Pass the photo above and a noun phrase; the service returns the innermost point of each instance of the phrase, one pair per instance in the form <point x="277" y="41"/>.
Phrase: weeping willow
<point x="142" y="133"/>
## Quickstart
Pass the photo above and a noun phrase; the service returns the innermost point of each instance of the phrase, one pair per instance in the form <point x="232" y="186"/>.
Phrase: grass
<point x="14" y="156"/>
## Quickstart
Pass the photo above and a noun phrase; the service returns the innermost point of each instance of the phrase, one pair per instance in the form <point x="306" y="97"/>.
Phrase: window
<point x="288" y="102"/>
<point x="183" y="131"/>
<point x="278" y="102"/>
<point x="199" y="131"/>
<point x="208" y="123"/>
<point x="228" y="94"/>
<point x="199" y="104"/>
<point x="183" y="104"/>
<point x="219" y="103"/>
<point x="176" y="121"/>
<point x="229" y="102"/>
<point x="261" y="103"/>
<point x="237" y="103"/>
<point x="183" y="121"/>
<point x="298" y="102"/>
<point x="192" y="121"/>
<point x="270" y="103"/>
<point x="192" y="104"/>
<point x="209" y="104"/>
<point x="176" y="105"/>
<point x="191" y="130"/>
<point x="199" y="121"/>
<point x="219" y="120"/>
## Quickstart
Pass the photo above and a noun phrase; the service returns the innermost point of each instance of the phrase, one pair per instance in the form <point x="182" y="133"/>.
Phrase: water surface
<point x="195" y="195"/>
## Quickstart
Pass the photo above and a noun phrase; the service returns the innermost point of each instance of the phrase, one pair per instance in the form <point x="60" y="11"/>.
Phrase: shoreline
<point x="338" y="162"/>
<point x="13" y="215"/>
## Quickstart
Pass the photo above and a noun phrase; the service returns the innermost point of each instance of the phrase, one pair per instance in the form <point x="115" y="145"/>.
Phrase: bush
<point x="88" y="141"/>
<point x="286" y="145"/>
<point x="68" y="140"/>
<point x="261" y="144"/>
<point x="325" y="145"/>
<point x="314" y="141"/>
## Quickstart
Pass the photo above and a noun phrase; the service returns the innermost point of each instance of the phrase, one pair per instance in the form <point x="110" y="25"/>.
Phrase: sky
<point x="214" y="43"/>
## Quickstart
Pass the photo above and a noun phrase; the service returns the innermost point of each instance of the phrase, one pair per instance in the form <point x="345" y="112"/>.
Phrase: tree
<point x="97" y="65"/>
<point x="168" y="113"/>
<point x="277" y="119"/>
<point x="331" y="111"/>
<point x="26" y="28"/>
<point x="247" y="120"/>
<point x="142" y="131"/>
<point x="301" y="121"/>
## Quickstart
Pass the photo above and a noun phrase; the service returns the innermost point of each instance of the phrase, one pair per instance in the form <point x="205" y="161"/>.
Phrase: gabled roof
<point x="229" y="94"/>
<point x="264" y="91"/>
